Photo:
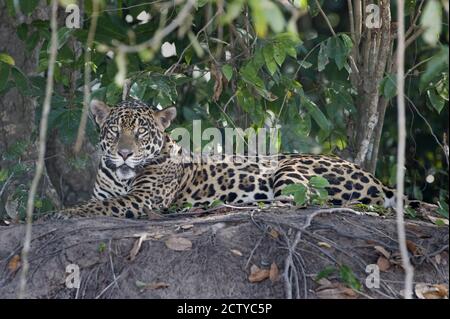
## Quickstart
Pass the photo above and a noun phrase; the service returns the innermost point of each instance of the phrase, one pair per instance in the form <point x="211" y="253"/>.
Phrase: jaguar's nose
<point x="125" y="153"/>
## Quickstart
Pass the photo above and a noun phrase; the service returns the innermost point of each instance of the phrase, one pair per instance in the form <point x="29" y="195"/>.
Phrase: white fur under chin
<point x="125" y="173"/>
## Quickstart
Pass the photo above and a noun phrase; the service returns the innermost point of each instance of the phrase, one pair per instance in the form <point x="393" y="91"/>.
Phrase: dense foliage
<point x="255" y="63"/>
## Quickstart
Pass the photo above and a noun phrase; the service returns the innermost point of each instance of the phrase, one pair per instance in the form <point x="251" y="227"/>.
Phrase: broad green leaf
<point x="347" y="43"/>
<point x="274" y="16"/>
<point x="6" y="58"/>
<point x="3" y="174"/>
<point x="296" y="190"/>
<point x="279" y="54"/>
<point x="349" y="278"/>
<point x="318" y="182"/>
<point x="313" y="8"/>
<point x="259" y="17"/>
<point x="4" y="75"/>
<point x="388" y="86"/>
<point x="20" y="79"/>
<point x="442" y="209"/>
<point x="28" y="6"/>
<point x="317" y="114"/>
<point x="442" y="87"/>
<point x="268" y="52"/>
<point x="434" y="67"/>
<point x="250" y="75"/>
<point x="233" y="10"/>
<point x="436" y="101"/>
<point x="325" y="273"/>
<point x="322" y="58"/>
<point x="227" y="70"/>
<point x="305" y="64"/>
<point x="431" y="22"/>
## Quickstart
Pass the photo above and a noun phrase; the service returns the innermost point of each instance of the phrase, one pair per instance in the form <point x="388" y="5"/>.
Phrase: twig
<point x="325" y="17"/>
<point x="41" y="149"/>
<point x="87" y="77"/>
<point x="409" y="271"/>
<point x="170" y="70"/>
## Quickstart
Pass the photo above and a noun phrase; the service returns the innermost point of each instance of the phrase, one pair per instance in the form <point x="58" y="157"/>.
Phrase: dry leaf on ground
<point x="178" y="243"/>
<point x="236" y="252"/>
<point x="383" y="251"/>
<point x="430" y="291"/>
<point x="383" y="263"/>
<point x="412" y="247"/>
<point x="273" y="233"/>
<point x="137" y="246"/>
<point x="14" y="263"/>
<point x="257" y="274"/>
<point x="274" y="272"/>
<point x="335" y="291"/>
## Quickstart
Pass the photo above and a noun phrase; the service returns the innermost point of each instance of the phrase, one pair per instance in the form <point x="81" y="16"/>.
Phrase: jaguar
<point x="142" y="169"/>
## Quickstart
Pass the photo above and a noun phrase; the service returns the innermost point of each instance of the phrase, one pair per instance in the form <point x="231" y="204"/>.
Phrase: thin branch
<point x="358" y="22"/>
<point x="352" y="21"/>
<point x="170" y="70"/>
<point x="41" y="149"/>
<point x="409" y="271"/>
<point x="87" y="77"/>
<point x="325" y="18"/>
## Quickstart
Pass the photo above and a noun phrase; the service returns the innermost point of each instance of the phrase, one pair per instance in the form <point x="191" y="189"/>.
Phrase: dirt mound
<point x="251" y="253"/>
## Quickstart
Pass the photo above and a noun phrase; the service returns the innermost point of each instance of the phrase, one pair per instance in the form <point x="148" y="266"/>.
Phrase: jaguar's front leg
<point x="133" y="205"/>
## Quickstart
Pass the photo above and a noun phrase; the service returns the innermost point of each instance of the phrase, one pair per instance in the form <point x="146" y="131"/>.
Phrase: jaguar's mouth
<point x="125" y="172"/>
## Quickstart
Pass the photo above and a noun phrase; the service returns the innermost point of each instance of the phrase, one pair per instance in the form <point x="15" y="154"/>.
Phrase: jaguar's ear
<point x="165" y="117"/>
<point x="100" y="111"/>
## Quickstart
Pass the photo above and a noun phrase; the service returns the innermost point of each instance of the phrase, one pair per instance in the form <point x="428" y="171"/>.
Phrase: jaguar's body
<point x="141" y="170"/>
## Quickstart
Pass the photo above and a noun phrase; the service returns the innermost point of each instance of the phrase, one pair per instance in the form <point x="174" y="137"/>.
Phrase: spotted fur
<point x="139" y="171"/>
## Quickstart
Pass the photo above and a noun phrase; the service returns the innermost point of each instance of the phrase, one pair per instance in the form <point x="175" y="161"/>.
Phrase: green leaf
<point x="317" y="114"/>
<point x="431" y="22"/>
<point x="268" y="53"/>
<point x="274" y="16"/>
<point x="279" y="54"/>
<point x="325" y="273"/>
<point x="298" y="191"/>
<point x="436" y="101"/>
<point x="349" y="278"/>
<point x="347" y="43"/>
<point x="3" y="175"/>
<point x="318" y="182"/>
<point x="63" y="35"/>
<point x="250" y="75"/>
<point x="233" y="10"/>
<point x="337" y="50"/>
<point x="20" y="79"/>
<point x="216" y="203"/>
<point x="388" y="86"/>
<point x="322" y="58"/>
<point x="6" y="58"/>
<point x="4" y="75"/>
<point x="437" y="64"/>
<point x="227" y="70"/>
<point x="28" y="6"/>
<point x="259" y="17"/>
<point x="442" y="209"/>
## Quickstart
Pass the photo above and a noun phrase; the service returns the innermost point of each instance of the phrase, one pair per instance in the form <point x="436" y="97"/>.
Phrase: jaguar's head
<point x="131" y="134"/>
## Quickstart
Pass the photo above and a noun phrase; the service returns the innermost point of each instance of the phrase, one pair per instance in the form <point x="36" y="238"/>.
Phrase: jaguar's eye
<point x="141" y="130"/>
<point x="115" y="129"/>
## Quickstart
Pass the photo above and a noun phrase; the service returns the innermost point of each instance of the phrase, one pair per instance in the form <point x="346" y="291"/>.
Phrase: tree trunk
<point x="17" y="112"/>
<point x="371" y="56"/>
